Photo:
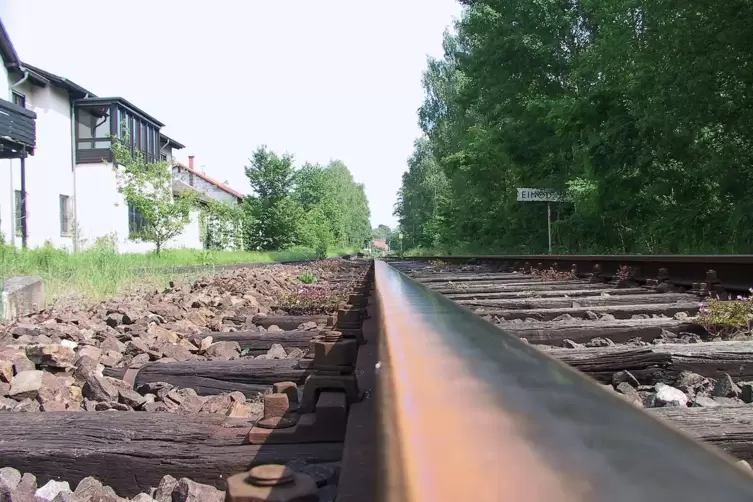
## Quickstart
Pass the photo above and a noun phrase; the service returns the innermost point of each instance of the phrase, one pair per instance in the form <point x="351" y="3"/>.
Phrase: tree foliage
<point x="222" y="225"/>
<point x="640" y="111"/>
<point x="148" y="188"/>
<point x="315" y="206"/>
<point x="382" y="232"/>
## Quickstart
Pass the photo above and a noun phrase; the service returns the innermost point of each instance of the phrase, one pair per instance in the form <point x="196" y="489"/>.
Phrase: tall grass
<point x="102" y="272"/>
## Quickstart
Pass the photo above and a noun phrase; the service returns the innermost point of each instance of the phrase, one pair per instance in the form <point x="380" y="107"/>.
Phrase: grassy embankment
<point x="101" y="272"/>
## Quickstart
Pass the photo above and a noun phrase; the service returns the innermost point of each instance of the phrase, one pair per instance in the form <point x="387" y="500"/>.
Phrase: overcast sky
<point x="322" y="80"/>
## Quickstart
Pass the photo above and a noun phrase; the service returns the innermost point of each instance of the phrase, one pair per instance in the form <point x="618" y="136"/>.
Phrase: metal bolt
<point x="711" y="277"/>
<point x="277" y="412"/>
<point x="332" y="336"/>
<point x="270" y="475"/>
<point x="271" y="482"/>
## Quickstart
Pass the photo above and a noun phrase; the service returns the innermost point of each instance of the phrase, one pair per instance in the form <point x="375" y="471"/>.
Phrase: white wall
<point x="5" y="166"/>
<point x="5" y="82"/>
<point x="167" y="151"/>
<point x="191" y="236"/>
<point x="204" y="186"/>
<point x="48" y="171"/>
<point x="103" y="211"/>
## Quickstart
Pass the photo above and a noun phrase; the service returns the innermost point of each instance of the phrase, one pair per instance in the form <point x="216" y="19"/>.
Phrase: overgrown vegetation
<point x="722" y="318"/>
<point x="550" y="274"/>
<point x="222" y="226"/>
<point x="147" y="187"/>
<point x="312" y="299"/>
<point x="307" y="277"/>
<point x="640" y="112"/>
<point x="102" y="272"/>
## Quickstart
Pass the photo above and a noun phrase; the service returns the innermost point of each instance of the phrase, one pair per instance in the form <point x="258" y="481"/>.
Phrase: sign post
<point x="549" y="224"/>
<point x="541" y="195"/>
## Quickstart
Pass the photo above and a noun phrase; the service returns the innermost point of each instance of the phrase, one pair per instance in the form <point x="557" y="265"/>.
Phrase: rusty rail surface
<point x="734" y="272"/>
<point x="470" y="413"/>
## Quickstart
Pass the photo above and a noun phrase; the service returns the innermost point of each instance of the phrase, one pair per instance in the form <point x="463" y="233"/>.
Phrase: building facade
<point x="64" y="191"/>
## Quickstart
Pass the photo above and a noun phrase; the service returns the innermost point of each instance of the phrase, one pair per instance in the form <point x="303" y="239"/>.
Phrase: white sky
<point x="327" y="79"/>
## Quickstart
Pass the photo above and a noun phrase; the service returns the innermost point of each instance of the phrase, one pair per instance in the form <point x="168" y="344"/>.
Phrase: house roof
<point x="381" y="244"/>
<point x="8" y="52"/>
<point x="211" y="180"/>
<point x="11" y="59"/>
<point x="75" y="90"/>
<point x="122" y="103"/>
<point x="171" y="142"/>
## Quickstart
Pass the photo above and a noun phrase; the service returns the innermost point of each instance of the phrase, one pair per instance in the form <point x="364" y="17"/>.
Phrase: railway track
<point x="442" y="381"/>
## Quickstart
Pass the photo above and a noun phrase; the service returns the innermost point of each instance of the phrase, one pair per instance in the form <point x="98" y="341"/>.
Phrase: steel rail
<point x="734" y="271"/>
<point x="470" y="413"/>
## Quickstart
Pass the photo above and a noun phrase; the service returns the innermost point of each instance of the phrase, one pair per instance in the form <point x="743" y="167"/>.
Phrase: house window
<point x="66" y="216"/>
<point x="19" y="213"/>
<point x="136" y="222"/>
<point x="92" y="135"/>
<point x="163" y="157"/>
<point x="19" y="99"/>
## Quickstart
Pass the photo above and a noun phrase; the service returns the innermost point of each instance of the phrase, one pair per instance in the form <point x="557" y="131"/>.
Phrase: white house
<point x="61" y="164"/>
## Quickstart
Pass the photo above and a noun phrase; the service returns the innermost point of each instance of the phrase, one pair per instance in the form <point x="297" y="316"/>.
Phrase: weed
<point x="314" y="299"/>
<point x="624" y="273"/>
<point x="727" y="317"/>
<point x="101" y="271"/>
<point x="552" y="275"/>
<point x="206" y="258"/>
<point x="307" y="277"/>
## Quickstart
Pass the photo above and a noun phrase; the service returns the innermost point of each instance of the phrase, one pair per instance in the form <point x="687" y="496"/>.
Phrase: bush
<point x="727" y="317"/>
<point x="307" y="277"/>
<point x="321" y="250"/>
<point x="550" y="274"/>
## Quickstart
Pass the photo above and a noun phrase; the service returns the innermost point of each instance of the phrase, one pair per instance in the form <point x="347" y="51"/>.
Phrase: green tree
<point x="315" y="206"/>
<point x="222" y="225"/>
<point x="272" y="216"/>
<point x="639" y="110"/>
<point x="148" y="188"/>
<point x="422" y="198"/>
<point x="336" y="207"/>
<point x="382" y="232"/>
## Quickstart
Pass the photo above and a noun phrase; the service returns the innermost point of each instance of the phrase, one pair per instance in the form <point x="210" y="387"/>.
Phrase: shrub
<point x="553" y="275"/>
<point x="727" y="317"/>
<point x="307" y="277"/>
<point x="321" y="249"/>
<point x="313" y="299"/>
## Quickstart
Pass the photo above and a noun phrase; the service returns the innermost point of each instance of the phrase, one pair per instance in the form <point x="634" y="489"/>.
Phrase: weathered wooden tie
<point x="131" y="451"/>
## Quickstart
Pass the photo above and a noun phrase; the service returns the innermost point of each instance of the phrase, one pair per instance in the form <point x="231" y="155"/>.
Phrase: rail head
<point x="470" y="412"/>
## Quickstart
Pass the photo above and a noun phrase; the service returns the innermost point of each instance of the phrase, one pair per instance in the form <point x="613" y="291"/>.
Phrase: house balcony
<point x="18" y="132"/>
<point x="100" y="120"/>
